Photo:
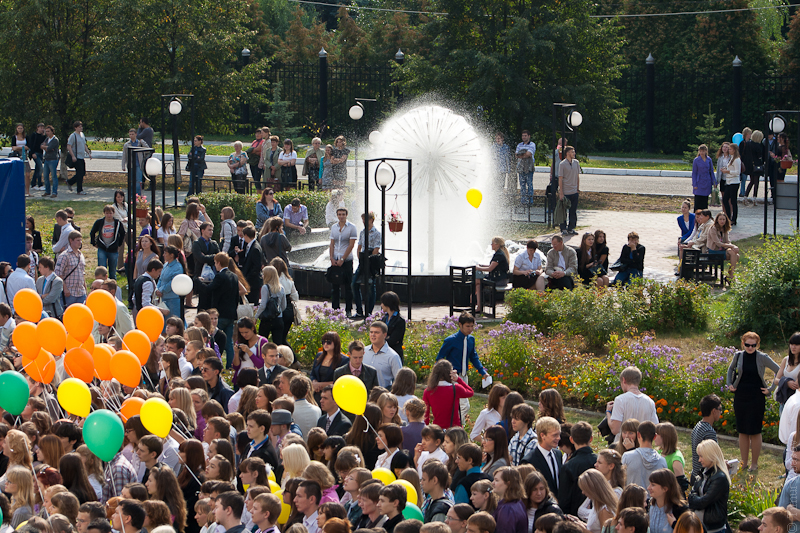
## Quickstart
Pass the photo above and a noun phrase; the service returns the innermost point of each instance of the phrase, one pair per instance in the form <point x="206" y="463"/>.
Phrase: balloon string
<point x="107" y="473"/>
<point x="369" y="426"/>
<point x="144" y="372"/>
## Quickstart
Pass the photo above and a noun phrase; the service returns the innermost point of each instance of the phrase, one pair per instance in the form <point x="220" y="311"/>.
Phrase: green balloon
<point x="412" y="512"/>
<point x="103" y="433"/>
<point x="16" y="392"/>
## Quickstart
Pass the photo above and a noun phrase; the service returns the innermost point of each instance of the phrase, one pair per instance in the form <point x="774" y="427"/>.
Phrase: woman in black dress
<point x="746" y="380"/>
<point x="396" y="324"/>
<point x="327" y="361"/>
<point x="498" y="268"/>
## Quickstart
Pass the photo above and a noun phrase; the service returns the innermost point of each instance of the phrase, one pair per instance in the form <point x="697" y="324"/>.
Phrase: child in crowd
<point x="101" y="275"/>
<point x="430" y="447"/>
<point x="483" y="497"/>
<point x="412" y="432"/>
<point x="524" y="439"/>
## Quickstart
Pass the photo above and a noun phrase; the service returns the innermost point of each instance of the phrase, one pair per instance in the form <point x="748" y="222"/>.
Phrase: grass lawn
<point x="598" y="163"/>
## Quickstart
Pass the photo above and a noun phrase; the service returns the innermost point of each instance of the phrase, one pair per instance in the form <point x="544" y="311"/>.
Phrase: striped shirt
<point x="71" y="268"/>
<point x="518" y="448"/>
<point x="702" y="431"/>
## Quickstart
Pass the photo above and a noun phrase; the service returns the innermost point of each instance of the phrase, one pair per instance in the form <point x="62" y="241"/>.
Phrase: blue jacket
<point x="453" y="350"/>
<point x="686" y="231"/>
<point x="171" y="269"/>
<point x="263" y="214"/>
<point x="703" y="177"/>
<point x="461" y="495"/>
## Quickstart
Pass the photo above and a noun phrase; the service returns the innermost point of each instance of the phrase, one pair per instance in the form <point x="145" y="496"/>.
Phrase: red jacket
<point x="445" y="405"/>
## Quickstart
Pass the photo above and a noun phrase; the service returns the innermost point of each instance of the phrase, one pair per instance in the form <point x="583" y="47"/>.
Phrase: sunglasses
<point x="327" y="342"/>
<point x="747" y="344"/>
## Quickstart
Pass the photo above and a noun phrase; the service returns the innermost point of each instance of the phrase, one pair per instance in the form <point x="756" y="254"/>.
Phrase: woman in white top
<point x="609" y="463"/>
<point x="334" y="204"/>
<point x="490" y="416"/>
<point x="287" y="160"/>
<point x="603" y="500"/>
<point x="94" y="469"/>
<point x="167" y="228"/>
<point x="390" y="437"/>
<point x="405" y="383"/>
<point x="20" y="149"/>
<point x="790" y="368"/>
<point x="731" y="172"/>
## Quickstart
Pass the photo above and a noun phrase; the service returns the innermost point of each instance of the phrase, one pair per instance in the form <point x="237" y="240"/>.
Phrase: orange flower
<point x="535" y="379"/>
<point x="596" y="396"/>
<point x="677" y="409"/>
<point x="659" y="410"/>
<point x="724" y="422"/>
<point x="516" y="374"/>
<point x="585" y="394"/>
<point x="547" y="374"/>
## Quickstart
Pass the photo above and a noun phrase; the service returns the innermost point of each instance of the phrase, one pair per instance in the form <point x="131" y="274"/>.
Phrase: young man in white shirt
<point x="177" y="345"/>
<point x="306" y="501"/>
<point x="630" y="404"/>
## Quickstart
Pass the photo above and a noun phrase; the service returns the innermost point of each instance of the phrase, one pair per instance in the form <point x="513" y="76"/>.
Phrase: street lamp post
<point x="245" y="105"/>
<point x="133" y="154"/>
<point x="569" y="121"/>
<point x="175" y="106"/>
<point x="356" y="113"/>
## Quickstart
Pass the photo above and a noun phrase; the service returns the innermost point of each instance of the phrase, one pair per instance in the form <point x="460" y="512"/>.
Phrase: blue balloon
<point x="737" y="138"/>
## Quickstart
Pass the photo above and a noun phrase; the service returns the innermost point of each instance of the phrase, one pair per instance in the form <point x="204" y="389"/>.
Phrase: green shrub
<point x="244" y="205"/>
<point x="765" y="297"/>
<point x="422" y="343"/>
<point x="750" y="500"/>
<point x="306" y="339"/>
<point x="596" y="314"/>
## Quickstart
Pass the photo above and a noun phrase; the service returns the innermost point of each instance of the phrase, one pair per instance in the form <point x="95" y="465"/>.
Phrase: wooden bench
<point x="704" y="268"/>
<point x="489" y="292"/>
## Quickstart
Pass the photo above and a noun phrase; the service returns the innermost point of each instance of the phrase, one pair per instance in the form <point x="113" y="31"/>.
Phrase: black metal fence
<point x="315" y="103"/>
<point x="681" y="98"/>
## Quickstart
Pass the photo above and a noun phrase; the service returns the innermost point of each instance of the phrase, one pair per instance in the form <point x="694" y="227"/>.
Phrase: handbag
<point x="334" y="275"/>
<point x="245" y="309"/>
<point x="598" y="270"/>
<point x="298" y="319"/>
<point x="616" y="266"/>
<point x="188" y="241"/>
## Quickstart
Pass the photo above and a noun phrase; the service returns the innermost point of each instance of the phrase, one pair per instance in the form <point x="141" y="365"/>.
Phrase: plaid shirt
<point x="119" y="473"/>
<point x="67" y="263"/>
<point x="519" y="448"/>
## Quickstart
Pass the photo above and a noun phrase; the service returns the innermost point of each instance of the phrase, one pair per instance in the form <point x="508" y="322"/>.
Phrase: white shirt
<point x="311" y="522"/>
<point x="437" y="454"/>
<point x="630" y="405"/>
<point x="401" y="402"/>
<point x="289" y="289"/>
<point x="386" y="362"/>
<point x="16" y="281"/>
<point x="185" y="366"/>
<point x="233" y="403"/>
<point x="523" y="262"/>
<point x="5" y="333"/>
<point x="165" y="234"/>
<point x="385" y="459"/>
<point x="63" y="240"/>
<point x="486" y="419"/>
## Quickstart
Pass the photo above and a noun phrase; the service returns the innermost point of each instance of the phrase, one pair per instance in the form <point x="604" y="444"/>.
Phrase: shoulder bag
<point x="245" y="309"/>
<point x="188" y="240"/>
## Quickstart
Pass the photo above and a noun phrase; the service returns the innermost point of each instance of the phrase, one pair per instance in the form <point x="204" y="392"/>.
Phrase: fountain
<point x="448" y="157"/>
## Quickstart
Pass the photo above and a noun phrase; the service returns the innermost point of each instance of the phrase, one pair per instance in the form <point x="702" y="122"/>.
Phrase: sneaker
<point x="83" y="193"/>
<point x="573" y="232"/>
<point x="54" y="196"/>
<point x="46" y="196"/>
<point x="565" y="233"/>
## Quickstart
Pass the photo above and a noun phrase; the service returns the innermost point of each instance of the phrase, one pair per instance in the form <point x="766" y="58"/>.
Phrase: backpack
<point x="272" y="308"/>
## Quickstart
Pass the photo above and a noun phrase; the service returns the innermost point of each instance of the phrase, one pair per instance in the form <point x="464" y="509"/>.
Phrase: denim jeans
<point x="226" y="325"/>
<point x="573" y="212"/>
<point x="36" y="181"/>
<point x="526" y="188"/>
<point x="51" y="169"/>
<point x="139" y="179"/>
<point x="371" y="293"/>
<point x="74" y="299"/>
<point x="743" y="184"/>
<point x="625" y="276"/>
<point x="108" y="260"/>
<point x="174" y="306"/>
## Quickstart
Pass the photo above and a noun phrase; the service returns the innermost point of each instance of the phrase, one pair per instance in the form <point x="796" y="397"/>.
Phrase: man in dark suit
<point x="356" y="367"/>
<point x="546" y="457"/>
<point x="333" y="420"/>
<point x="203" y="251"/>
<point x="258" y="424"/>
<point x="570" y="497"/>
<point x="268" y="373"/>
<point x="223" y="293"/>
<point x="251" y="265"/>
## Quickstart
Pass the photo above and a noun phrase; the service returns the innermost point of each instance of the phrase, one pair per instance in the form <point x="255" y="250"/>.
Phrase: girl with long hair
<point x="497" y="270"/>
<point x="181" y="398"/>
<point x="495" y="450"/>
<point x="148" y="250"/>
<point x="289" y="289"/>
<point x="316" y="471"/>
<point x="360" y="436"/>
<point x="191" y="477"/>
<point x="94" y="469"/>
<point x="603" y="499"/>
<point x="490" y="415"/>
<point x="719" y="242"/>
<point x="790" y="368"/>
<point x="551" y="404"/>
<point x="295" y="460"/>
<point x="189" y="231"/>
<point x="609" y="463"/>
<point x="20" y="487"/>
<point x="510" y="514"/>
<point x="267" y="207"/>
<point x="540" y="500"/>
<point x="247" y="403"/>
<point x="390" y="409"/>
<point x="265" y="396"/>
<point x="483" y="497"/>
<point x="588" y="263"/>
<point x="733" y="177"/>
<point x="512" y="400"/>
<point x="628" y="436"/>
<point x="171" y="369"/>
<point x="689" y="523"/>
<point x="396" y="324"/>
<point x="666" y="501"/>
<point x="167" y="228"/>
<point x="174" y="266"/>
<point x="50" y="450"/>
<point x="75" y="478"/>
<point x="600" y="249"/>
<point x="667" y="441"/>
<point x="163" y="485"/>
<point x="271" y="289"/>
<point x="454" y="438"/>
<point x="405" y="383"/>
<point x="326" y="362"/>
<point x="712" y="487"/>
<point x="249" y="349"/>
<point x="443" y="401"/>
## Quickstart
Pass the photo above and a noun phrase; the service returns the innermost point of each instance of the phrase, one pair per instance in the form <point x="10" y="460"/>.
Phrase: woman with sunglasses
<point x="267" y="208"/>
<point x="746" y="380"/>
<point x="327" y="361"/>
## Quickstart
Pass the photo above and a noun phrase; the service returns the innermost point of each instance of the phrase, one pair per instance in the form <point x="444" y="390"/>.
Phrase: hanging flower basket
<point x="142" y="213"/>
<point x="786" y="164"/>
<point x="395" y="222"/>
<point x="142" y="207"/>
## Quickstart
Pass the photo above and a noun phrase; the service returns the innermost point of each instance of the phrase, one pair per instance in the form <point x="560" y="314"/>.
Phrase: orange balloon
<point x="126" y="369"/>
<point x="28" y="305"/>
<point x="87" y="345"/>
<point x="43" y="368"/>
<point x="79" y="364"/>
<point x="137" y="342"/>
<point x="79" y="321"/>
<point x="151" y="322"/>
<point x="24" y="338"/>
<point x="103" y="306"/>
<point x="130" y="407"/>
<point x="52" y="335"/>
<point x="102" y="361"/>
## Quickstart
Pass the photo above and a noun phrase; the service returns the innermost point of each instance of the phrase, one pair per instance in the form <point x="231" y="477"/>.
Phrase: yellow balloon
<point x="350" y="394"/>
<point x="474" y="197"/>
<point x="384" y="474"/>
<point x="285" y="508"/>
<point x="274" y="487"/>
<point x="271" y="476"/>
<point x="156" y="415"/>
<point x="411" y="492"/>
<point x="74" y="397"/>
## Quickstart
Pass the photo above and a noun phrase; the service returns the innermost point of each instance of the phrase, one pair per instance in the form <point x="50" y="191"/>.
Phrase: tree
<point x="708" y="133"/>
<point x="513" y="60"/>
<point x="790" y="53"/>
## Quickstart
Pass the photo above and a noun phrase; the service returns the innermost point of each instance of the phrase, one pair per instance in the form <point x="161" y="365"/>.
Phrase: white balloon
<point x="375" y="137"/>
<point x="182" y="285"/>
<point x="153" y="167"/>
